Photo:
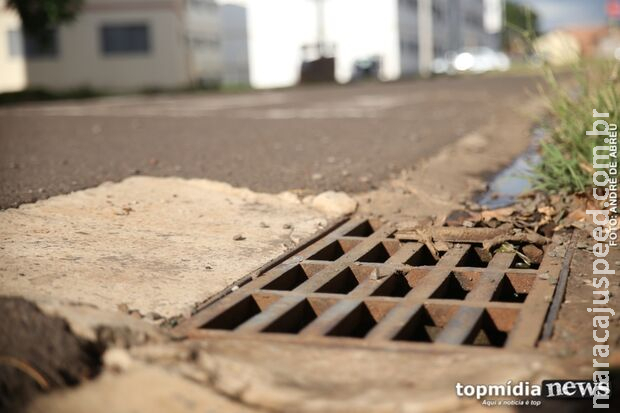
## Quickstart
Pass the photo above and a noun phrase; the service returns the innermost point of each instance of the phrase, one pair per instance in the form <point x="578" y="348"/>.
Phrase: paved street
<point x="345" y="138"/>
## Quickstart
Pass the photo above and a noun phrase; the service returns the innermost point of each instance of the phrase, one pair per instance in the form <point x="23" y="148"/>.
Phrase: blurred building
<point x="589" y="38"/>
<point x="494" y="22"/>
<point x="569" y="44"/>
<point x="12" y="63"/>
<point x="143" y="44"/>
<point x="363" y="33"/>
<point x="116" y="45"/>
<point x="234" y="38"/>
<point x="458" y="25"/>
<point x="609" y="45"/>
<point x="408" y="27"/>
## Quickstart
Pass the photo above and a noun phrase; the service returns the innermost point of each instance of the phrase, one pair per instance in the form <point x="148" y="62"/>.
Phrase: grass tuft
<point x="566" y="155"/>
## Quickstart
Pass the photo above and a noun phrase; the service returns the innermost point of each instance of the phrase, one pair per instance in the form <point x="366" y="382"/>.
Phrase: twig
<point x="427" y="239"/>
<point x="27" y="369"/>
<point x="529" y="238"/>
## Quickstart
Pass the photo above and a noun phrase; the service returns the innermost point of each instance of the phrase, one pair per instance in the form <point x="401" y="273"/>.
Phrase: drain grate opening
<point x="468" y="279"/>
<point x="334" y="250"/>
<point x="421" y="328"/>
<point x="422" y="257"/>
<point x="453" y="288"/>
<point x="380" y="253"/>
<point x="356" y="324"/>
<point x="503" y="318"/>
<point x="507" y="292"/>
<point x="520" y="263"/>
<point x="238" y="314"/>
<point x="488" y="334"/>
<point x="416" y="275"/>
<point x="343" y="283"/>
<point x="293" y="278"/>
<point x="522" y="283"/>
<point x="472" y="259"/>
<point x="294" y="320"/>
<point x="365" y="229"/>
<point x="396" y="285"/>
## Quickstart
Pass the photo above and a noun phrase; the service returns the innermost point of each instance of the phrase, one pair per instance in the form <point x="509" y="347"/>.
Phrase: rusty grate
<point x="360" y="282"/>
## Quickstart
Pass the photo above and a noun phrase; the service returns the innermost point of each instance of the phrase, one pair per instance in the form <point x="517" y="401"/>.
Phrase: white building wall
<point x="277" y="30"/>
<point x="202" y="24"/>
<point x="12" y="65"/>
<point x="493" y="16"/>
<point x="364" y="28"/>
<point x="494" y="22"/>
<point x="81" y="62"/>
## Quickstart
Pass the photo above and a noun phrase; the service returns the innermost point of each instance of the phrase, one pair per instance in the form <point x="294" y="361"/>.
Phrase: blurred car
<point x="480" y="60"/>
<point x="444" y="65"/>
<point x="368" y="68"/>
<point x="474" y="60"/>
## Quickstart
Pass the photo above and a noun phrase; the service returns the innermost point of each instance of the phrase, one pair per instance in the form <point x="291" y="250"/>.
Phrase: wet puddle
<point x="507" y="185"/>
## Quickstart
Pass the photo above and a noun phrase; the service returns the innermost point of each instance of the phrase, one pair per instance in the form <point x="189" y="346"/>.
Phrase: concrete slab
<point x="143" y="389"/>
<point x="286" y="377"/>
<point x="155" y="244"/>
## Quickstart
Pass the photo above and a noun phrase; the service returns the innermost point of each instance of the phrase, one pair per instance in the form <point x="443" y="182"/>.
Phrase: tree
<point x="40" y="16"/>
<point x="521" y="25"/>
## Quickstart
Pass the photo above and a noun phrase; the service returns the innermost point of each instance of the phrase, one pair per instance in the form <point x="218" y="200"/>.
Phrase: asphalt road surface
<point x="323" y="137"/>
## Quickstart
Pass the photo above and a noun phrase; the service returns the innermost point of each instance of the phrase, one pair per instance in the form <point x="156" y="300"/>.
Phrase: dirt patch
<point x="39" y="353"/>
<point x="439" y="184"/>
<point x="572" y="338"/>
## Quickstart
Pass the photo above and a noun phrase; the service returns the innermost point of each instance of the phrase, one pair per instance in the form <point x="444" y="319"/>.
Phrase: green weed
<point x="566" y="154"/>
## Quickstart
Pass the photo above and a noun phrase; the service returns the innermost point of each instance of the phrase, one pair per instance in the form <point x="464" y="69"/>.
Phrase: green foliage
<point x="521" y="16"/>
<point x="566" y="164"/>
<point x="521" y="25"/>
<point x="39" y="16"/>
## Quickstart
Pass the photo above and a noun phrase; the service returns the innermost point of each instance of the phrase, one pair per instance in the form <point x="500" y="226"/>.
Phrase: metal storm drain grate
<point x="359" y="284"/>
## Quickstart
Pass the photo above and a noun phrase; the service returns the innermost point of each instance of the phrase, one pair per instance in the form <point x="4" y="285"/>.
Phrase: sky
<point x="555" y="14"/>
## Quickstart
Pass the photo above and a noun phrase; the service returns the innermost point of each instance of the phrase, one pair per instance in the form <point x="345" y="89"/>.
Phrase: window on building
<point x="125" y="39"/>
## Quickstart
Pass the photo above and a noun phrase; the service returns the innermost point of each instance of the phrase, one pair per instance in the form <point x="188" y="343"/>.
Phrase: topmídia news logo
<point x="525" y="393"/>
